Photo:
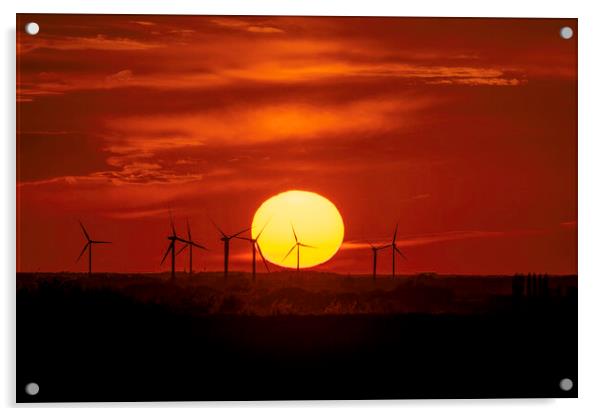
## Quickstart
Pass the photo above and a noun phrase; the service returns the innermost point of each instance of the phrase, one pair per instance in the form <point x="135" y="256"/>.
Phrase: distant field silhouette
<point x="307" y="293"/>
<point x="288" y="336"/>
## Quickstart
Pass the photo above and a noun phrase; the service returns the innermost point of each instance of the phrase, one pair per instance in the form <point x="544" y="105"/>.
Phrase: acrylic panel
<point x="290" y="208"/>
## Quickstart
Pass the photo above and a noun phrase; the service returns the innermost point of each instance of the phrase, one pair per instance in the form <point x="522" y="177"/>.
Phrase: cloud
<point x="425" y="239"/>
<point x="98" y="42"/>
<point x="37" y="86"/>
<point x="140" y="195"/>
<point x="103" y="196"/>
<point x="281" y="59"/>
<point x="183" y="32"/>
<point x="420" y="196"/>
<point x="120" y="77"/>
<point x="569" y="224"/>
<point x="143" y="23"/>
<point x="513" y="82"/>
<point x="270" y="72"/>
<point x="138" y="172"/>
<point x="129" y="214"/>
<point x="260" y="123"/>
<point x="308" y="50"/>
<point x="264" y="29"/>
<point x="245" y="25"/>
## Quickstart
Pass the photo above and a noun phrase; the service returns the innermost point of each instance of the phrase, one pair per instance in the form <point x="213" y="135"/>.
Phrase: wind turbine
<point x="374" y="253"/>
<point x="394" y="249"/>
<point x="88" y="246"/>
<point x="298" y="246"/>
<point x="254" y="248"/>
<point x="171" y="248"/>
<point x="190" y="245"/>
<point x="226" y="240"/>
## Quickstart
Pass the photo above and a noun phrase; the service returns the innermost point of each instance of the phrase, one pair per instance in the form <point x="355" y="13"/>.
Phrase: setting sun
<point x="317" y="223"/>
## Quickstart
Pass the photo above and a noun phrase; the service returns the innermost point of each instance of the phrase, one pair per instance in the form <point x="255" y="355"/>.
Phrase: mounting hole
<point x="32" y="28"/>
<point x="566" y="384"/>
<point x="566" y="32"/>
<point x="32" y="389"/>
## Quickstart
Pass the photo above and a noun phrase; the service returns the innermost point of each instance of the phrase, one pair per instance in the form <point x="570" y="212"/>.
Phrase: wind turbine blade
<point x="83" y="251"/>
<point x="188" y="229"/>
<point x="192" y="243"/>
<point x="218" y="229"/>
<point x="395" y="233"/>
<point x="84" y="230"/>
<point x="181" y="250"/>
<point x="170" y="247"/>
<point x="243" y="238"/>
<point x="294" y="233"/>
<point x="240" y="232"/>
<point x="181" y="240"/>
<point x="289" y="252"/>
<point x="265" y="263"/>
<point x="400" y="253"/>
<point x="305" y="245"/>
<point x="265" y="225"/>
<point x="101" y="242"/>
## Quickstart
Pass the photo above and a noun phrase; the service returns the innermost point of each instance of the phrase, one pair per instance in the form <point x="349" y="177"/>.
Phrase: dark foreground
<point x="82" y="341"/>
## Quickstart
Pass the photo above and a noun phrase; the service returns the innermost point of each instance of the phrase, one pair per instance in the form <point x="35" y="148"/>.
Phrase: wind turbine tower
<point x="395" y="250"/>
<point x="298" y="246"/>
<point x="375" y="250"/>
<point x="226" y="240"/>
<point x="171" y="248"/>
<point x="88" y="247"/>
<point x="254" y="249"/>
<point x="190" y="245"/>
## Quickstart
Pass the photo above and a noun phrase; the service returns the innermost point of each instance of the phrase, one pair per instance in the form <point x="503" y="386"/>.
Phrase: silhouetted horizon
<point x="383" y="276"/>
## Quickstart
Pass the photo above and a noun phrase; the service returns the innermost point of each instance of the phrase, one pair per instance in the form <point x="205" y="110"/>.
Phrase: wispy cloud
<point x="126" y="172"/>
<point x="500" y="82"/>
<point x="98" y="42"/>
<point x="425" y="239"/>
<point x="261" y="123"/>
<point x="420" y="196"/>
<point x="129" y="214"/>
<point x="120" y="77"/>
<point x="312" y="70"/>
<point x="264" y="29"/>
<point x="143" y="23"/>
<point x="238" y="24"/>
<point x="287" y="60"/>
<point x="569" y="224"/>
<point x="39" y="85"/>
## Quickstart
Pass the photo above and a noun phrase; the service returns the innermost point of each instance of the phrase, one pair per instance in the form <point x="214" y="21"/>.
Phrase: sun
<point x="316" y="221"/>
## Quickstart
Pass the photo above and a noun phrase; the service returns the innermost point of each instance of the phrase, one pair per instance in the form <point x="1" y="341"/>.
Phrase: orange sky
<point x="463" y="130"/>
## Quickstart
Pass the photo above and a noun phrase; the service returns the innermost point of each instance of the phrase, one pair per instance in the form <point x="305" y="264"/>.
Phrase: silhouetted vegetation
<point x="289" y="336"/>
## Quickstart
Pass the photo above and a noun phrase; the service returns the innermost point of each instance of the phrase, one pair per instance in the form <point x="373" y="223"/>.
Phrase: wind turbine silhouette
<point x="298" y="246"/>
<point x="254" y="248"/>
<point x="394" y="249"/>
<point x="190" y="245"/>
<point x="374" y="254"/>
<point x="171" y="248"/>
<point x="88" y="246"/>
<point x="226" y="240"/>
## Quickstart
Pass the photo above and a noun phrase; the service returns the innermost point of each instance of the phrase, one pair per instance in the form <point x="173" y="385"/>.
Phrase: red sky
<point x="462" y="130"/>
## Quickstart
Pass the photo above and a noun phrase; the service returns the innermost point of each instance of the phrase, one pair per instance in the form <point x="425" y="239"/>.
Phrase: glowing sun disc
<point x="317" y="223"/>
